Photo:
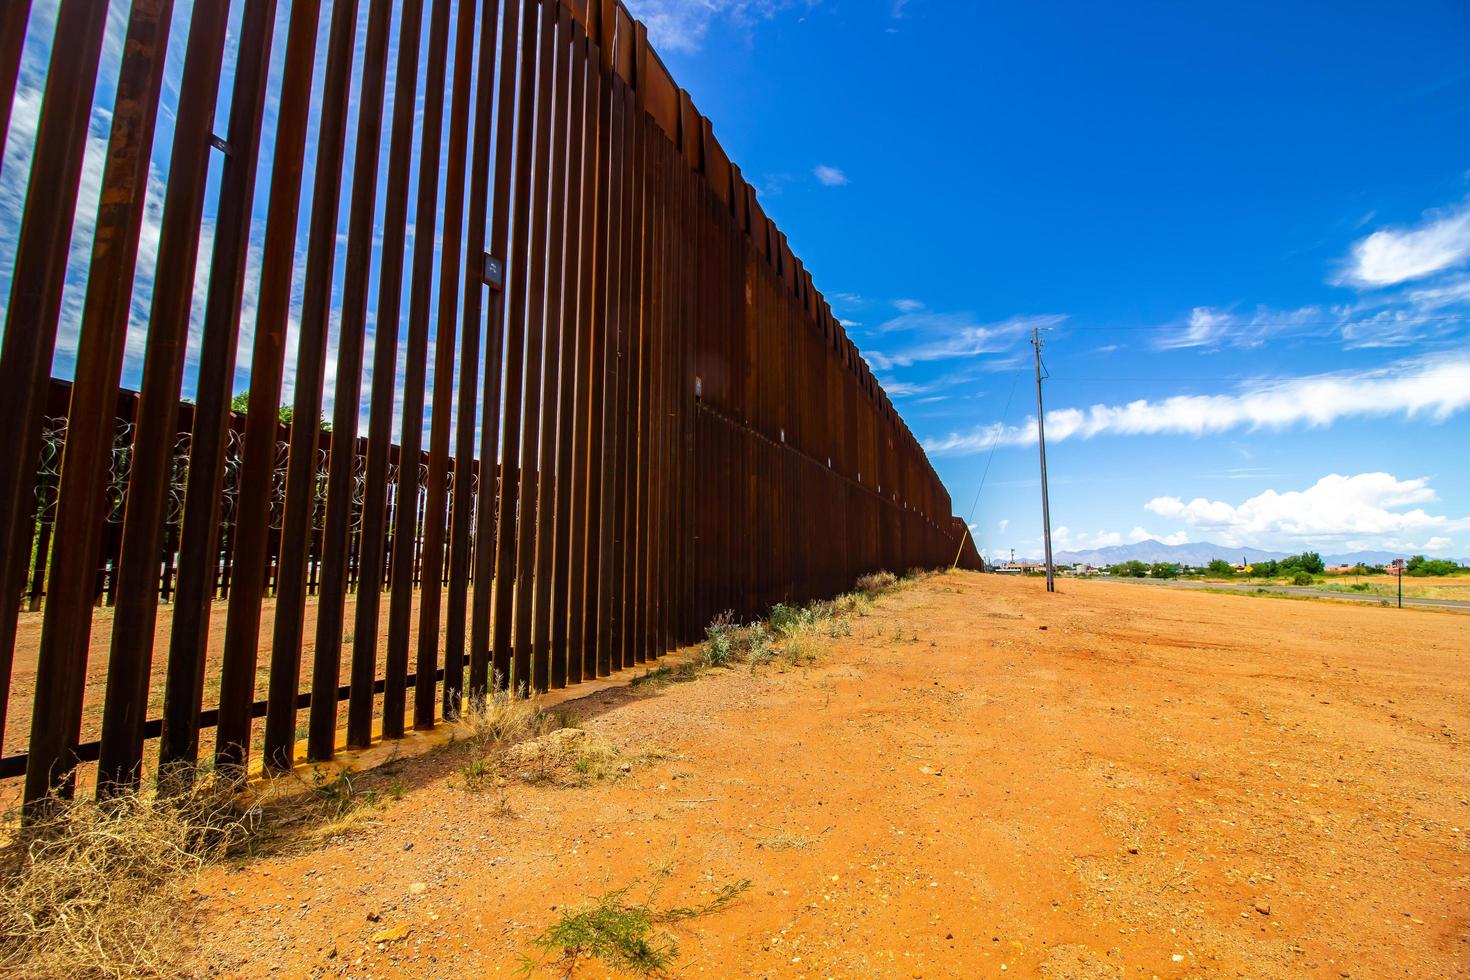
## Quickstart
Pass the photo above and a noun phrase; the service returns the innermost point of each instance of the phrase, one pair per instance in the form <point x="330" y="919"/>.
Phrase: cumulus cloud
<point x="1394" y="255"/>
<point x="830" y="176"/>
<point x="1368" y="505"/>
<point x="1416" y="388"/>
<point x="1065" y="539"/>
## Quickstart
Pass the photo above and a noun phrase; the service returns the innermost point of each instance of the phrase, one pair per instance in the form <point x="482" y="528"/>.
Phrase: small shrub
<point x="875" y="583"/>
<point x="758" y="649"/>
<point x="721" y="638"/>
<point x="1302" y="578"/>
<point x="621" y="933"/>
<point x="785" y="619"/>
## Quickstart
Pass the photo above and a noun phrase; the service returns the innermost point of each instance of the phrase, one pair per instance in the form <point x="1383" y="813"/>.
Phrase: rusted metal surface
<point x="136" y="614"/>
<point x="200" y="534"/>
<point x="655" y="417"/>
<point x="66" y="630"/>
<point x="301" y="470"/>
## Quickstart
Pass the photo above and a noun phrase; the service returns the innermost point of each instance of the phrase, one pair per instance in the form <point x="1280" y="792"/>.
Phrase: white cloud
<point x="1002" y="525"/>
<point x="1368" y="505"/>
<point x="1393" y="255"/>
<point x="1065" y="539"/>
<point x="945" y="336"/>
<point x="1435" y="388"/>
<point x="830" y="176"/>
<point x="1208" y="327"/>
<point x="908" y="305"/>
<point x="681" y="25"/>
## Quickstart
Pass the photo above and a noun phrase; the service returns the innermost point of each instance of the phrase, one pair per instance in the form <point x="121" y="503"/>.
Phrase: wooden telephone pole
<point x="1041" y="442"/>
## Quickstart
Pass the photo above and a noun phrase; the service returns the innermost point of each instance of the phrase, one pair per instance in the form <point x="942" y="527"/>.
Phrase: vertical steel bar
<point x="380" y="421"/>
<point x="580" y="189"/>
<point x="406" y="526"/>
<point x="13" y="18"/>
<point x="527" y="517"/>
<point x="35" y="298"/>
<point x="66" y="631"/>
<point x="464" y="548"/>
<point x="597" y="329"/>
<point x="506" y="156"/>
<point x="337" y="560"/>
<point x="518" y="271"/>
<point x="548" y="658"/>
<point x="436" y="507"/>
<point x="199" y="539"/>
<point x="131" y="657"/>
<point x="242" y="627"/>
<point x="301" y="470"/>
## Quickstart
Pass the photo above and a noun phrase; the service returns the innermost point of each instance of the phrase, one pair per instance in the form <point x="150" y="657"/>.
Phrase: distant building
<point x="1019" y="567"/>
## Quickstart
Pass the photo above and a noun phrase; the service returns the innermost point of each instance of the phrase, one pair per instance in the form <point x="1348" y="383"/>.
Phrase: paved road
<point x="1301" y="590"/>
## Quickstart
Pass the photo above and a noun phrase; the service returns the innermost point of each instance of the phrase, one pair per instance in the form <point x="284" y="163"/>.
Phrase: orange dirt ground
<point x="981" y="779"/>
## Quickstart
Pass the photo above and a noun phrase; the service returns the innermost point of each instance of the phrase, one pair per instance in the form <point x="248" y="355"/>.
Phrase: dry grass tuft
<point x="92" y="889"/>
<point x="875" y="583"/>
<point x="566" y="757"/>
<point x="495" y="727"/>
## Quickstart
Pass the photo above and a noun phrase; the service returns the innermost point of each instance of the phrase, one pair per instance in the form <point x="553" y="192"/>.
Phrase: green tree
<point x="1164" y="569"/>
<point x="1269" y="568"/>
<point x="1221" y="568"/>
<point x="240" y="405"/>
<point x="1420" y="567"/>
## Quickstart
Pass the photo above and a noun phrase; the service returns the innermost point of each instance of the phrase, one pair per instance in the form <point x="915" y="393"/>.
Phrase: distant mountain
<point x="1203" y="552"/>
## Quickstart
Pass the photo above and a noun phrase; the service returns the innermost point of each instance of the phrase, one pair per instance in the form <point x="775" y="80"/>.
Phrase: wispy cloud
<point x="1415" y="388"/>
<point x="908" y="305"/>
<point x="829" y="176"/>
<point x="928" y="336"/>
<point x="682" y="25"/>
<point x="1394" y="255"/>
<point x="1209" y="327"/>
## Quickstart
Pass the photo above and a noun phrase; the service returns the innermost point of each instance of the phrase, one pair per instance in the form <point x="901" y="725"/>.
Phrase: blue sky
<point x="1244" y="230"/>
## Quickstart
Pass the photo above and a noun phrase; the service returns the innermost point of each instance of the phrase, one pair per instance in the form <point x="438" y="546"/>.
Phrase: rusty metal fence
<point x="679" y="424"/>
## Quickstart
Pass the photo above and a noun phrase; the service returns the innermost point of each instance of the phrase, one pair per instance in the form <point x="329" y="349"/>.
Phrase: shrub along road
<point x="1294" y="590"/>
<point x="979" y="778"/>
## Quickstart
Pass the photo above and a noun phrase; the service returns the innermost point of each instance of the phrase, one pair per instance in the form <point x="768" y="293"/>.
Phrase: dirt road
<point x="981" y="780"/>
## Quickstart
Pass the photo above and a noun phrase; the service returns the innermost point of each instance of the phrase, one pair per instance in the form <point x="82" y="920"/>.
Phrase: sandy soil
<point x="982" y="779"/>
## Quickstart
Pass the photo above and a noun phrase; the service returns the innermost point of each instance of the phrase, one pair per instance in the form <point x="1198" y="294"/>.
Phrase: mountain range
<point x="1203" y="552"/>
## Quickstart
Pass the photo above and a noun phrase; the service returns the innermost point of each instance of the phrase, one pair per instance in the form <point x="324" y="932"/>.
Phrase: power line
<point x="1004" y="416"/>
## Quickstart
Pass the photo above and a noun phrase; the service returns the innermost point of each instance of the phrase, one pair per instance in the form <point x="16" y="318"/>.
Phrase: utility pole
<point x="1041" y="442"/>
<point x="1399" y="564"/>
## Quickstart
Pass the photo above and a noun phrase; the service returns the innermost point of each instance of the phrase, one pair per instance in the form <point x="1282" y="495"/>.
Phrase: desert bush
<point x="785" y="619"/>
<point x="876" y="582"/>
<point x="1302" y="578"/>
<point x="622" y="933"/>
<point x="721" y="639"/>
